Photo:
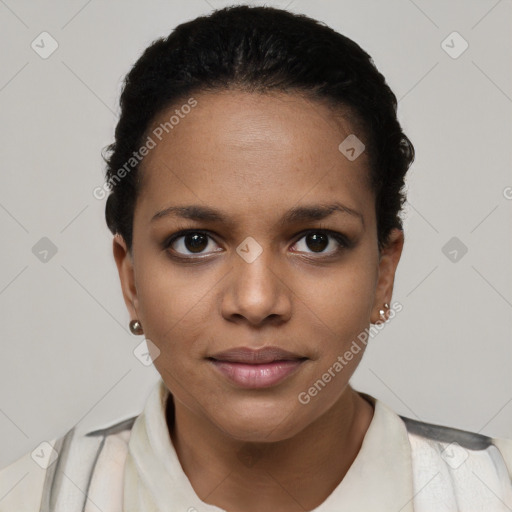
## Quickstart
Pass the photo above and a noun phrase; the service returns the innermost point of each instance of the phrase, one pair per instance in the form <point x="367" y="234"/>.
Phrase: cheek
<point x="173" y="305"/>
<point x="342" y="298"/>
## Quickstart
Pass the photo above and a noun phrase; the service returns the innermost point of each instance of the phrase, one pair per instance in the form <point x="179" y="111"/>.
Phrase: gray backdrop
<point x="67" y="354"/>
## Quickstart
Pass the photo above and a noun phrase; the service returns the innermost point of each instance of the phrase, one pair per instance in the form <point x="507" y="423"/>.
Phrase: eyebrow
<point x="296" y="214"/>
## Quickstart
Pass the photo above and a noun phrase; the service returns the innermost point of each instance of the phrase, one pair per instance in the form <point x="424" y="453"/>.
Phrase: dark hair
<point x="260" y="49"/>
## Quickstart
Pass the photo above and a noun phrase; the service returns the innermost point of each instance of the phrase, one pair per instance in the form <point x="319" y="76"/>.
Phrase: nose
<point x="256" y="292"/>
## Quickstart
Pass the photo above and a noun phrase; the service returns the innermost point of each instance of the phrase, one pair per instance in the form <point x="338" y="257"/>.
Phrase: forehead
<point x="239" y="149"/>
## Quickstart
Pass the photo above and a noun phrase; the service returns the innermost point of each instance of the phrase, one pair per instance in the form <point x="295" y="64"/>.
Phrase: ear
<point x="124" y="262"/>
<point x="389" y="258"/>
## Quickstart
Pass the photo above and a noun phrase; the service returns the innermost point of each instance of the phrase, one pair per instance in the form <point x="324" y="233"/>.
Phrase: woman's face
<point x="266" y="269"/>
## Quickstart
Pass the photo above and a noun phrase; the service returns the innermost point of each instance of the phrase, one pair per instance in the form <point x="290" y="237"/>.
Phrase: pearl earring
<point x="136" y="327"/>
<point x="382" y="312"/>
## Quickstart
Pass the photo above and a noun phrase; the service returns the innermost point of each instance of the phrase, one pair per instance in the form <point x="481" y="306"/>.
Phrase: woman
<point x="256" y="185"/>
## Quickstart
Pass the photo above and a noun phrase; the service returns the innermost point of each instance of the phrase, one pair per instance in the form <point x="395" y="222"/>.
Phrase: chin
<point x="253" y="424"/>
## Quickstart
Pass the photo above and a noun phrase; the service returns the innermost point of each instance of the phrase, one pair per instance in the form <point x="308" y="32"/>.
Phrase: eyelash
<point x="343" y="241"/>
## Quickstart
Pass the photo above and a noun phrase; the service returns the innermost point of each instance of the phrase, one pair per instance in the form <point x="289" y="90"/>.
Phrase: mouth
<point x="255" y="369"/>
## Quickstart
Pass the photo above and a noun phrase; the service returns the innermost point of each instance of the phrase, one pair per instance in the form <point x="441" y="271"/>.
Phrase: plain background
<point x="67" y="354"/>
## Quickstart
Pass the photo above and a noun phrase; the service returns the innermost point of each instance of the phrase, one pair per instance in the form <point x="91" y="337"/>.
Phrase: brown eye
<point x="189" y="243"/>
<point x="318" y="241"/>
<point x="195" y="242"/>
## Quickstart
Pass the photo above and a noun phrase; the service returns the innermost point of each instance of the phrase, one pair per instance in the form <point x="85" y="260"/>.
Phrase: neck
<point x="298" y="473"/>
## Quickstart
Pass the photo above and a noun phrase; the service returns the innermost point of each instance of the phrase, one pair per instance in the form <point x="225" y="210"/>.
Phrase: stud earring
<point x="382" y="312"/>
<point x="136" y="327"/>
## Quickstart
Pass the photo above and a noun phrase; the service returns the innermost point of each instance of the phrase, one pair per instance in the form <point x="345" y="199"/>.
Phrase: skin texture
<point x="254" y="157"/>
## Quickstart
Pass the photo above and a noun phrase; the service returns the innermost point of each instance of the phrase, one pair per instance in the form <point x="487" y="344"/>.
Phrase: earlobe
<point x="124" y="263"/>
<point x="388" y="262"/>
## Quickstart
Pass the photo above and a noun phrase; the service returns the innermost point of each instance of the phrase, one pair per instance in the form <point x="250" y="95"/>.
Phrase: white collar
<point x="380" y="478"/>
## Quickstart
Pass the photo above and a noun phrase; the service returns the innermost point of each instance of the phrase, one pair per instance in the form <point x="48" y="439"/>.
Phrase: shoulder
<point x="22" y="481"/>
<point x="444" y="436"/>
<point x="63" y="468"/>
<point x="452" y="440"/>
<point x="459" y="465"/>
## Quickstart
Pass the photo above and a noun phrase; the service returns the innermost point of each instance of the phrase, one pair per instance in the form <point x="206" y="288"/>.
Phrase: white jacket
<point x="403" y="465"/>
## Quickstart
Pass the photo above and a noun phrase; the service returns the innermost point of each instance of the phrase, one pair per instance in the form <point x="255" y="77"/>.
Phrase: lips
<point x="260" y="356"/>
<point x="263" y="368"/>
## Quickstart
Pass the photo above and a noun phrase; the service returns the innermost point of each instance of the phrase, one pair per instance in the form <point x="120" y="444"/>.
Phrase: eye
<point x="189" y="243"/>
<point x="318" y="241"/>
